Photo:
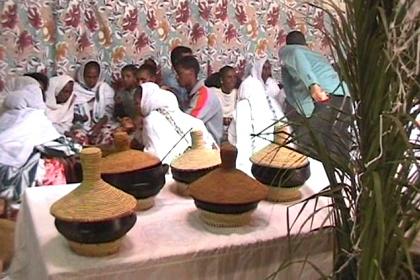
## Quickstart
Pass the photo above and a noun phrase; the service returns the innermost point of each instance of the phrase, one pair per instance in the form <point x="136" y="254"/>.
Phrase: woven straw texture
<point x="198" y="157"/>
<point x="225" y="220"/>
<point x="276" y="194"/>
<point x="226" y="184"/>
<point x="95" y="250"/>
<point x="94" y="200"/>
<point x="278" y="155"/>
<point x="125" y="159"/>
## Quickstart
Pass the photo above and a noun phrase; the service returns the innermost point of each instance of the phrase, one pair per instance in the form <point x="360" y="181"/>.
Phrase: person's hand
<point x="318" y="94"/>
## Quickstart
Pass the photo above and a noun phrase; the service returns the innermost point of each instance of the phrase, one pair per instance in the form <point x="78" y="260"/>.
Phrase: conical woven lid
<point x="278" y="155"/>
<point x="94" y="200"/>
<point x="198" y="157"/>
<point x="126" y="159"/>
<point x="226" y="184"/>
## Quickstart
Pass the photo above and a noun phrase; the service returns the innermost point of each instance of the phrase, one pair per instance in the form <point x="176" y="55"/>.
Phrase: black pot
<point x="225" y="208"/>
<point x="139" y="183"/>
<point x="188" y="177"/>
<point x="96" y="232"/>
<point x="285" y="178"/>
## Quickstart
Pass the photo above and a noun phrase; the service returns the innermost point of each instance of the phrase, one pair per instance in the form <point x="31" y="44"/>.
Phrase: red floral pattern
<point x="142" y="41"/>
<point x="84" y="42"/>
<point x="9" y="17"/>
<point x="231" y="33"/>
<point x="182" y="12"/>
<point x="197" y="32"/>
<point x="54" y="173"/>
<point x="90" y="21"/>
<point x="291" y="21"/>
<point x="280" y="38"/>
<point x="273" y="16"/>
<point x="25" y="40"/>
<point x="34" y="17"/>
<point x="130" y="21"/>
<point x="221" y="10"/>
<point x="204" y="10"/>
<point x="72" y="17"/>
<point x="151" y="19"/>
<point x="240" y="14"/>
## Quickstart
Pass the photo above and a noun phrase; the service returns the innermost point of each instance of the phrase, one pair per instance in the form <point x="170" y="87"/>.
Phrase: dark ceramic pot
<point x="285" y="178"/>
<point x="142" y="183"/>
<point x="225" y="208"/>
<point x="188" y="177"/>
<point x="96" y="232"/>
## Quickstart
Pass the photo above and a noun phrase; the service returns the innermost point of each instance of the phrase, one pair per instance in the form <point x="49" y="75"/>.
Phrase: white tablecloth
<point x="170" y="242"/>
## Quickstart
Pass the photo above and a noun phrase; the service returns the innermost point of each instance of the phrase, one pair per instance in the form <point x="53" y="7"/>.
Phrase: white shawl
<point x="23" y="126"/>
<point x="164" y="124"/>
<point x="99" y="99"/>
<point x="61" y="115"/>
<point x="228" y="101"/>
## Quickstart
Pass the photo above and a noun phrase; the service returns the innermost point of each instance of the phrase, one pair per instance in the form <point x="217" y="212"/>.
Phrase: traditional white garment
<point x="228" y="101"/>
<point x="61" y="115"/>
<point x="164" y="124"/>
<point x="24" y="125"/>
<point x="99" y="99"/>
<point x="256" y="112"/>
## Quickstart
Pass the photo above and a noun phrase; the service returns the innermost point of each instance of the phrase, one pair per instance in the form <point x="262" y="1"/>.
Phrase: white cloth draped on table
<point x="164" y="124"/>
<point x="99" y="99"/>
<point x="254" y="115"/>
<point x="61" y="115"/>
<point x="23" y="125"/>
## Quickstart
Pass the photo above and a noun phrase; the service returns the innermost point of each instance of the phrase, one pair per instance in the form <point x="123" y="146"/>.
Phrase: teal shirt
<point x="301" y="68"/>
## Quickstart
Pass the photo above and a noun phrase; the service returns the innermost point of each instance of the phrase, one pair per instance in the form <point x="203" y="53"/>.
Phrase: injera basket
<point x="279" y="194"/>
<point x="93" y="200"/>
<point x="126" y="159"/>
<point x="278" y="155"/>
<point x="198" y="157"/>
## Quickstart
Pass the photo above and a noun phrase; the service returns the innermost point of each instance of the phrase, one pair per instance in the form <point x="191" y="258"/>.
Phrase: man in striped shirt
<point x="203" y="103"/>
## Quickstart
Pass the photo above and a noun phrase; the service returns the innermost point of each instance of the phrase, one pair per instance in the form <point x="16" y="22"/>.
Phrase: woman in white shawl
<point x="165" y="127"/>
<point x="60" y="102"/>
<point x="23" y="126"/>
<point x="94" y="104"/>
<point x="255" y="114"/>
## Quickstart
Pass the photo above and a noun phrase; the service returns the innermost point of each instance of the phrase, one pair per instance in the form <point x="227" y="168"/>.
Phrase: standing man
<point x="202" y="102"/>
<point x="317" y="99"/>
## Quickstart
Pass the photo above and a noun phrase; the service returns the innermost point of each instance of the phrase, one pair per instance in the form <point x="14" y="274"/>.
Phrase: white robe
<point x="164" y="124"/>
<point x="23" y="126"/>
<point x="61" y="115"/>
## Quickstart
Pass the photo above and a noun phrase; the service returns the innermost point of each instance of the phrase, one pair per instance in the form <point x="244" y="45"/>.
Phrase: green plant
<point x="375" y="201"/>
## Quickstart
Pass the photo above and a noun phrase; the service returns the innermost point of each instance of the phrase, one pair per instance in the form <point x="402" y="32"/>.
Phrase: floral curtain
<point x="55" y="36"/>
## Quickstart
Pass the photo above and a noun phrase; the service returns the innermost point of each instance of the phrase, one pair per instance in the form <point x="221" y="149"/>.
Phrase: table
<point x="170" y="242"/>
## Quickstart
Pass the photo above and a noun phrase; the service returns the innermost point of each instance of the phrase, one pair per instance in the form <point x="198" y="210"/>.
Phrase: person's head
<point x="266" y="70"/>
<point x="228" y="79"/>
<point x="213" y="80"/>
<point x="91" y="73"/>
<point x="65" y="93"/>
<point x="42" y="79"/>
<point x="179" y="52"/>
<point x="187" y="69"/>
<point x="128" y="74"/>
<point x="146" y="73"/>
<point x="150" y="61"/>
<point x="295" y="38"/>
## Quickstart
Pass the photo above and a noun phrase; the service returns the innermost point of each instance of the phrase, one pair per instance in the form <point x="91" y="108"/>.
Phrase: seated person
<point x="202" y="102"/>
<point x="60" y="102"/>
<point x="166" y="129"/>
<point x="146" y="73"/>
<point x="94" y="105"/>
<point x="170" y="81"/>
<point x="23" y="126"/>
<point x="124" y="101"/>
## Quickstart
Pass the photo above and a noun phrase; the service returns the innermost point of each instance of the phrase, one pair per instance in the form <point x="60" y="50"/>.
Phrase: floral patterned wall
<point x="54" y="36"/>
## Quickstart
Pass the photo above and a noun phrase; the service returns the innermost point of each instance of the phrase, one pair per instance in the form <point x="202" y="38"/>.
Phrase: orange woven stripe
<point x="202" y="99"/>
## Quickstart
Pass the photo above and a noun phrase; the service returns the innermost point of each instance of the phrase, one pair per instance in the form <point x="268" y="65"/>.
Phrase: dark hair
<point x="129" y="68"/>
<point x="40" y="77"/>
<point x="150" y="61"/>
<point x="224" y="70"/>
<point x="295" y="38"/>
<point x="138" y="91"/>
<point x="189" y="63"/>
<point x="148" y="68"/>
<point x="92" y="64"/>
<point x="178" y="52"/>
<point x="213" y="80"/>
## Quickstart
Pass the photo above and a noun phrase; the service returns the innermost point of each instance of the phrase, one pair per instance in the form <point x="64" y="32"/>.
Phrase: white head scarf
<point x="24" y="125"/>
<point x="153" y="98"/>
<point x="257" y="67"/>
<point x="81" y="78"/>
<point x="59" y="114"/>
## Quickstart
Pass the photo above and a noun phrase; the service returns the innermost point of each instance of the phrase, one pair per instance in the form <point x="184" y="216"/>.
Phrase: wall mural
<point x="54" y="36"/>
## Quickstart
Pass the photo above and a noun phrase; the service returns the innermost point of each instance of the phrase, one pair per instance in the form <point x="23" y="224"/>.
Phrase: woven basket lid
<point x="198" y="157"/>
<point x="226" y="184"/>
<point x="93" y="200"/>
<point x="277" y="154"/>
<point x="126" y="159"/>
